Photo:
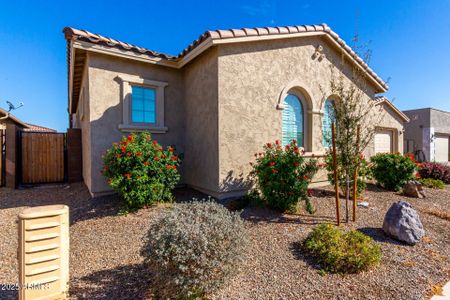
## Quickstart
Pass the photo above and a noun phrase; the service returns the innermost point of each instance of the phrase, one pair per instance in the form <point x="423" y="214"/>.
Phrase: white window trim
<point x="127" y="81"/>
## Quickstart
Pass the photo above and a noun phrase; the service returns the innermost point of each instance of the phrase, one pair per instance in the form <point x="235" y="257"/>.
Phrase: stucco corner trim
<point x="139" y="128"/>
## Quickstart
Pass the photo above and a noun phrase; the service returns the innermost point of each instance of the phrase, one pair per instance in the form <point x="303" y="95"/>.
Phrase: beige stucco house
<point x="219" y="101"/>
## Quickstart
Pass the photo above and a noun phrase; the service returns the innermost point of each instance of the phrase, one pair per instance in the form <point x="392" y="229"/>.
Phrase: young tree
<point x="354" y="108"/>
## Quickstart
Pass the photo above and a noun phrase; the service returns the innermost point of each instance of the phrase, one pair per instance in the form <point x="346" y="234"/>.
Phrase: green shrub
<point x="195" y="247"/>
<point x="282" y="175"/>
<point x="392" y="170"/>
<point x="364" y="174"/>
<point x="432" y="183"/>
<point x="338" y="251"/>
<point x="141" y="171"/>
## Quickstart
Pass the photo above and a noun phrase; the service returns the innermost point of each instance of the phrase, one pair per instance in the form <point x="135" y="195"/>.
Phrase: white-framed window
<point x="293" y="121"/>
<point x="143" y="104"/>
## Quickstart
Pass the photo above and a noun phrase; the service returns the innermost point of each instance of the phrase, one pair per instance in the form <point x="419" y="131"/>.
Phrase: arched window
<point x="292" y="120"/>
<point x="328" y="118"/>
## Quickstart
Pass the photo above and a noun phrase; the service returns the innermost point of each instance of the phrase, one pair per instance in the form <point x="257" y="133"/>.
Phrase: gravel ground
<point x="105" y="261"/>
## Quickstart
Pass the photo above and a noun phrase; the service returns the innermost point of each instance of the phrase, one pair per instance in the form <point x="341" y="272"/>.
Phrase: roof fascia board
<point x="121" y="53"/>
<point x="71" y="73"/>
<point x="394" y="108"/>
<point x="372" y="79"/>
<point x="209" y="42"/>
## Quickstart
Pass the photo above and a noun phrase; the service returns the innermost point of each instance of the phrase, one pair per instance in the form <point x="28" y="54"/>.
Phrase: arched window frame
<point x="303" y="92"/>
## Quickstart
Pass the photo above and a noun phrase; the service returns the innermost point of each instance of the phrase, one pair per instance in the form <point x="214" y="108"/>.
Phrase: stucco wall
<point x="201" y="159"/>
<point x="419" y="119"/>
<point x="81" y="120"/>
<point x="440" y="121"/>
<point x="106" y="107"/>
<point x="252" y="76"/>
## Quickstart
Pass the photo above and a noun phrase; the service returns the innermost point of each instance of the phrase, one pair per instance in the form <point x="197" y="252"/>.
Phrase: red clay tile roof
<point x="33" y="127"/>
<point x="72" y="33"/>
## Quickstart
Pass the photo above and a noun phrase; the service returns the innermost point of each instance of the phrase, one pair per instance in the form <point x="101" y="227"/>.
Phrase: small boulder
<point x="403" y="223"/>
<point x="413" y="189"/>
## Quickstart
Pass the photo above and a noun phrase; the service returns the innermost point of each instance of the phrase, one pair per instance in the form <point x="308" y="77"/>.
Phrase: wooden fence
<point x="42" y="157"/>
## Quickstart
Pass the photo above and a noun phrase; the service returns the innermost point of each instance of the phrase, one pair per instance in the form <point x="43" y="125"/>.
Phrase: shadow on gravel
<point x="260" y="215"/>
<point x="124" y="282"/>
<point x="378" y="235"/>
<point x="296" y="249"/>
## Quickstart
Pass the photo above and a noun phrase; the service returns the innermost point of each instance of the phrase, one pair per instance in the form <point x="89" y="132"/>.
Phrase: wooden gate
<point x="42" y="157"/>
<point x="2" y="156"/>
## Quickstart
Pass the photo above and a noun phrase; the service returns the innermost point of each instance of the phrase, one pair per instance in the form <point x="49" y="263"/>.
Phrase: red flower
<point x="418" y="175"/>
<point x="138" y="153"/>
<point x="296" y="164"/>
<point x="294" y="141"/>
<point x="130" y="138"/>
<point x="260" y="154"/>
<point x="171" y="167"/>
<point x="274" y="170"/>
<point x="174" y="157"/>
<point x="310" y="192"/>
<point x="287" y="147"/>
<point x="129" y="153"/>
<point x="118" y="155"/>
<point x="145" y="163"/>
<point x="156" y="158"/>
<point x="171" y="149"/>
<point x="127" y="175"/>
<point x="277" y="142"/>
<point x="123" y="148"/>
<point x="305" y="177"/>
<point x="295" y="148"/>
<point x="155" y="142"/>
<point x="272" y="163"/>
<point x="269" y="145"/>
<point x="256" y="154"/>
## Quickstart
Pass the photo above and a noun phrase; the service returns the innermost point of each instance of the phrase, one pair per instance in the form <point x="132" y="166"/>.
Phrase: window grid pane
<point x="143" y="102"/>
<point x="328" y="118"/>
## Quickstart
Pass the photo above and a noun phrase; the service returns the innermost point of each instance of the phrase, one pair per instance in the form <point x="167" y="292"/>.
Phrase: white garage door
<point x="441" y="148"/>
<point x="383" y="141"/>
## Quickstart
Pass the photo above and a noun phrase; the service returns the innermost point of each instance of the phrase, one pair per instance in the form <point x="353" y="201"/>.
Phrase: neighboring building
<point x="219" y="101"/>
<point x="38" y="128"/>
<point x="7" y="118"/>
<point x="427" y="134"/>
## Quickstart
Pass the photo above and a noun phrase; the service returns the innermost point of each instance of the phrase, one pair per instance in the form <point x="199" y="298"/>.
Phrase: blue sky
<point x="410" y="41"/>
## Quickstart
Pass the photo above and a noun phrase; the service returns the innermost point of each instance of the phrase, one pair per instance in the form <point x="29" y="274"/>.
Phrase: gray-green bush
<point x="195" y="248"/>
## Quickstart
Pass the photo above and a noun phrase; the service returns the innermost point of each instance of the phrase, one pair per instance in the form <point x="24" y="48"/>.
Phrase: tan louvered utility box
<point x="44" y="252"/>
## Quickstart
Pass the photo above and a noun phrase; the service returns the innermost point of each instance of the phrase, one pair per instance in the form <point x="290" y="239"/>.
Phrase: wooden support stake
<point x="336" y="180"/>
<point x="355" y="175"/>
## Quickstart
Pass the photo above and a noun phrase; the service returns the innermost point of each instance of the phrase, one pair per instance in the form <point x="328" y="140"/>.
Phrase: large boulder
<point x="403" y="223"/>
<point x="413" y="189"/>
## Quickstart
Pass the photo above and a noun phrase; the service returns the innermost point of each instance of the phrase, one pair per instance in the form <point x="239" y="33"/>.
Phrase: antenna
<point x="12" y="106"/>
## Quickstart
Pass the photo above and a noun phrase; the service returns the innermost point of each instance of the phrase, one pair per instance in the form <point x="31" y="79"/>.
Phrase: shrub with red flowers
<point x="435" y="170"/>
<point x="282" y="175"/>
<point x="141" y="171"/>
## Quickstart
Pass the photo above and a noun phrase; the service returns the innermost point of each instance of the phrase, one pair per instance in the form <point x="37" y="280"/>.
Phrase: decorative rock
<point x="364" y="204"/>
<point x="413" y="189"/>
<point x="402" y="223"/>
